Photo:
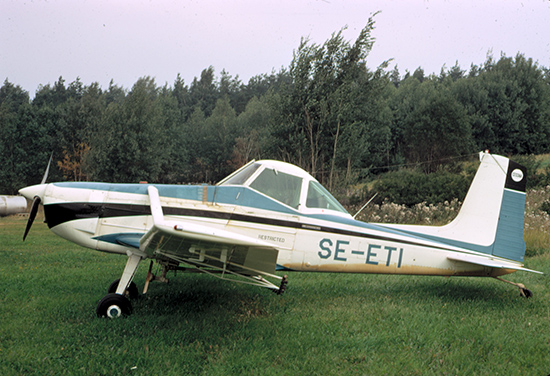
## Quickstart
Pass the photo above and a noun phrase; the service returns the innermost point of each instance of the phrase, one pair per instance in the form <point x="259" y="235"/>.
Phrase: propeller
<point x="32" y="215"/>
<point x="36" y="202"/>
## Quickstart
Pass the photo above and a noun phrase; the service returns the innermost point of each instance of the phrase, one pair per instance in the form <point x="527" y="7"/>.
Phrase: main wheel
<point x="113" y="306"/>
<point x="131" y="292"/>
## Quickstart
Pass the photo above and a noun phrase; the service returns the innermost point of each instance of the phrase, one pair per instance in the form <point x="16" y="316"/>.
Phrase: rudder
<point x="509" y="241"/>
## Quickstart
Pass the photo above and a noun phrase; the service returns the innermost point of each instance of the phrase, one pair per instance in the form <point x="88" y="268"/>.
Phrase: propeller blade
<point x="47" y="170"/>
<point x="36" y="200"/>
<point x="32" y="215"/>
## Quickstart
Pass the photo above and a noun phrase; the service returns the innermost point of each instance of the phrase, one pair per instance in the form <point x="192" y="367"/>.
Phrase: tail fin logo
<point x="517" y="175"/>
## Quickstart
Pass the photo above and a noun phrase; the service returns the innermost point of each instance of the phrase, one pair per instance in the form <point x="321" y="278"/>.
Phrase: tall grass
<point x="537" y="221"/>
<point x="422" y="213"/>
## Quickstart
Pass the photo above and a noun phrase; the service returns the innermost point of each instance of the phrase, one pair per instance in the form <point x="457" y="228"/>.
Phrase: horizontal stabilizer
<point x="491" y="263"/>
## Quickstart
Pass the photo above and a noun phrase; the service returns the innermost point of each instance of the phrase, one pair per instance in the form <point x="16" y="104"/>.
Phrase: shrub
<point x="538" y="175"/>
<point x="406" y="187"/>
<point x="545" y="207"/>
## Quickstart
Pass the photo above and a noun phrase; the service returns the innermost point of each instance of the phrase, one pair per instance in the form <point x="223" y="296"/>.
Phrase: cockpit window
<point x="279" y="186"/>
<point x="242" y="176"/>
<point x="318" y="197"/>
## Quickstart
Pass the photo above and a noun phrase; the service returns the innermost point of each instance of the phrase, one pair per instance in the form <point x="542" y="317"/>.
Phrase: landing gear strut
<point x="523" y="291"/>
<point x="162" y="278"/>
<point x="115" y="303"/>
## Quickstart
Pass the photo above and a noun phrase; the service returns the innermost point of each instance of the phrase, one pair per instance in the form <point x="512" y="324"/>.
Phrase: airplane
<point x="273" y="216"/>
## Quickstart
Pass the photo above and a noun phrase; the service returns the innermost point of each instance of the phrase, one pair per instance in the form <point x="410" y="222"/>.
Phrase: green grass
<point x="324" y="324"/>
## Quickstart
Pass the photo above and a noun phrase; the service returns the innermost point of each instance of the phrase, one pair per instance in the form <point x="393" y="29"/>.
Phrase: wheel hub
<point x="114" y="311"/>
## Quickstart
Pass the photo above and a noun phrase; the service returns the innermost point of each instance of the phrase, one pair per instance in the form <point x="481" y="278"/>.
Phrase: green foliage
<point x="509" y="101"/>
<point x="326" y="112"/>
<point x="409" y="187"/>
<point x="26" y="135"/>
<point x="538" y="174"/>
<point x="217" y="139"/>
<point x="545" y="207"/>
<point x="331" y="114"/>
<point x="125" y="144"/>
<point x="433" y="125"/>
<point x="419" y="214"/>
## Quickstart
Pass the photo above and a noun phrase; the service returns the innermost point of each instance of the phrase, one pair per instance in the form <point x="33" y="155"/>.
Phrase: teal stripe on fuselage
<point x="243" y="196"/>
<point x="187" y="192"/>
<point x="230" y="195"/>
<point x="122" y="238"/>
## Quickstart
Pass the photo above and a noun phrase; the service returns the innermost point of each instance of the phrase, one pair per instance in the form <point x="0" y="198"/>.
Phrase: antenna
<point x="363" y="207"/>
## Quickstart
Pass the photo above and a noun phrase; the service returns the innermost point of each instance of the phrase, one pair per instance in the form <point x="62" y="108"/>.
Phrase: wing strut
<point x="156" y="207"/>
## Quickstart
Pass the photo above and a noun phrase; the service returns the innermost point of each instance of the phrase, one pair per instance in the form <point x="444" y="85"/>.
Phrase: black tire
<point x="113" y="306"/>
<point x="526" y="293"/>
<point x="131" y="292"/>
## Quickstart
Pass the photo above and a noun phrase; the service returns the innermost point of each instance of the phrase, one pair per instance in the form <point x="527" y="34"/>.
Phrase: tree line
<point x="326" y="112"/>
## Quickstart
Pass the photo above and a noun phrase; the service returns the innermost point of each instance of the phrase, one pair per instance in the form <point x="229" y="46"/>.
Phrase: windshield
<point x="318" y="197"/>
<point x="285" y="183"/>
<point x="279" y="186"/>
<point x="242" y="176"/>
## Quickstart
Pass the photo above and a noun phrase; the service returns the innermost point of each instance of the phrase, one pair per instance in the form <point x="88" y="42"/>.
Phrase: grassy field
<point x="325" y="324"/>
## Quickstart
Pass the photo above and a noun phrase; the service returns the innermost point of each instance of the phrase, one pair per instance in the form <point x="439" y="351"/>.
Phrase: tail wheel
<point x="525" y="292"/>
<point x="113" y="305"/>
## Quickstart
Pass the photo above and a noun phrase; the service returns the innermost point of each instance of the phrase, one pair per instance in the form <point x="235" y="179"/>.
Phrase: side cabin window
<point x="318" y="197"/>
<point x="279" y="186"/>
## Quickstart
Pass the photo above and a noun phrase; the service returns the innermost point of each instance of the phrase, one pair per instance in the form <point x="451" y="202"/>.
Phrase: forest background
<point x="327" y="113"/>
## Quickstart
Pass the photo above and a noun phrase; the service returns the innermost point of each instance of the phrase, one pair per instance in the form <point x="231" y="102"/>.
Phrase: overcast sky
<point x="124" y="40"/>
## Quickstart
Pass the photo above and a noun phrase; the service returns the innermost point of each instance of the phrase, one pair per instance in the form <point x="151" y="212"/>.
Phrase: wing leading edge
<point x="215" y="251"/>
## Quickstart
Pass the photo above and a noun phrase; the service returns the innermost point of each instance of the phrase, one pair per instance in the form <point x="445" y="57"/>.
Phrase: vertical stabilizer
<point x="509" y="241"/>
<point x="491" y="218"/>
<point x="493" y="211"/>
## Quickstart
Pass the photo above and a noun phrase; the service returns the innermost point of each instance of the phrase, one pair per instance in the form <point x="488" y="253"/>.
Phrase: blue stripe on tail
<point x="509" y="242"/>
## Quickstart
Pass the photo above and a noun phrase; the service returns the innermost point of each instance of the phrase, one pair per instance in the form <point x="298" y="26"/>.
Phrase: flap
<point x="185" y="241"/>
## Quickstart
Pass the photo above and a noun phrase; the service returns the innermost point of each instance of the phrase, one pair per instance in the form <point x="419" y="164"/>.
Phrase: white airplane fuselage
<point x="111" y="217"/>
<point x="271" y="215"/>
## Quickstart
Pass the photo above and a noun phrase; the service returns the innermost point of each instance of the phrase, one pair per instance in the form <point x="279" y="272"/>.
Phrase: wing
<point x="211" y="250"/>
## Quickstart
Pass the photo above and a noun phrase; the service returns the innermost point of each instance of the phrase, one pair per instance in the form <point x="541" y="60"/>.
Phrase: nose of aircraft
<point x="34" y="190"/>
